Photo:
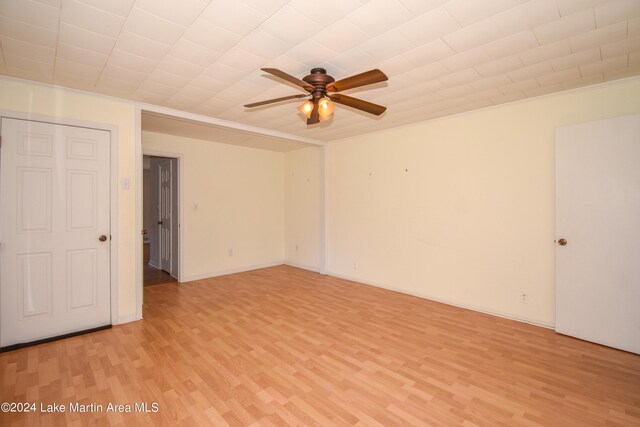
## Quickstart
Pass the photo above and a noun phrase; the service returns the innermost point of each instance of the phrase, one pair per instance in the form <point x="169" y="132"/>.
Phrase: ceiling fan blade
<point x="289" y="78"/>
<point x="362" y="79"/>
<point x="271" y="101"/>
<point x="350" y="101"/>
<point x="315" y="116"/>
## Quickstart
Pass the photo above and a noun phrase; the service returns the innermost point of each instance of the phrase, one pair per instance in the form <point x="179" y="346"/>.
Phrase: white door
<point x="165" y="214"/>
<point x="598" y="214"/>
<point x="54" y="268"/>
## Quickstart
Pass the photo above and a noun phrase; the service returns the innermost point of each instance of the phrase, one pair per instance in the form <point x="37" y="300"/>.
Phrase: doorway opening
<point x="161" y="223"/>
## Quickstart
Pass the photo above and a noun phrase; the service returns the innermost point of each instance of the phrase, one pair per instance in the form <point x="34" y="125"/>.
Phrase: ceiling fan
<point x="322" y="89"/>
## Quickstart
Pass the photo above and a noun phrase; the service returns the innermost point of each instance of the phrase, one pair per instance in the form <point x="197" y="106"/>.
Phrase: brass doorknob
<point x="102" y="238"/>
<point x="562" y="242"/>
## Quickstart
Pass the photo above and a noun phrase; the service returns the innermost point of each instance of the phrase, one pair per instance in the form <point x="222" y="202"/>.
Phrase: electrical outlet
<point x="523" y="298"/>
<point x="296" y="248"/>
<point x="355" y="265"/>
<point x="230" y="252"/>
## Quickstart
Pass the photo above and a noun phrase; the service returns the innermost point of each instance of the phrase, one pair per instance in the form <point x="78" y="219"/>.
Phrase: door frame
<point x="113" y="187"/>
<point x="180" y="178"/>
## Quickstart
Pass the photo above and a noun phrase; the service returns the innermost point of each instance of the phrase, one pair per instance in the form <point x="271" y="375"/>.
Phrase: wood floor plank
<point x="283" y="346"/>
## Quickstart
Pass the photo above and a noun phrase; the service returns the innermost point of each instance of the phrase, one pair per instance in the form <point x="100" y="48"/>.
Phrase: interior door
<point x="165" y="214"/>
<point x="598" y="220"/>
<point x="54" y="224"/>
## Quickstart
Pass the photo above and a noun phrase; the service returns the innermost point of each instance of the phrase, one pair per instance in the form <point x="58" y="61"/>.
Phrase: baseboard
<point x="126" y="319"/>
<point x="230" y="271"/>
<point x="484" y="310"/>
<point x="302" y="266"/>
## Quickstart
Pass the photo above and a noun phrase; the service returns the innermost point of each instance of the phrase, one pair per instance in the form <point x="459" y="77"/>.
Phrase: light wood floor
<point x="284" y="346"/>
<point x="154" y="276"/>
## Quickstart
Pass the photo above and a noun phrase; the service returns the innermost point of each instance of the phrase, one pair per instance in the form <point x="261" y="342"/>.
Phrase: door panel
<point x="165" y="215"/>
<point x="55" y="193"/>
<point x="598" y="212"/>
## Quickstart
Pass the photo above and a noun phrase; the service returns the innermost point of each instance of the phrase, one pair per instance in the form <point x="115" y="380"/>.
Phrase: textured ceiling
<point x="442" y="56"/>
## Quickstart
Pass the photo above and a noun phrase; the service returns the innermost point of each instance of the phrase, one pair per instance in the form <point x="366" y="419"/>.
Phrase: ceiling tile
<point x="311" y="53"/>
<point x="386" y="45"/>
<point x="599" y="36"/>
<point x="634" y="26"/>
<point x="615" y="11"/>
<point x="328" y="13"/>
<point x="490" y="82"/>
<point x="25" y="63"/>
<point x="563" y="76"/>
<point x="526" y="16"/>
<point x="123" y="59"/>
<point x="114" y="72"/>
<point x="500" y="66"/>
<point x="427" y="54"/>
<point x="473" y="35"/>
<point x="28" y="50"/>
<point x="583" y="81"/>
<point x="224" y="73"/>
<point x="567" y="7"/>
<point x="31" y="12"/>
<point x="290" y="25"/>
<point x="576" y="59"/>
<point x="530" y="71"/>
<point x="182" y="12"/>
<point x="73" y="68"/>
<point x="54" y="3"/>
<point x="523" y="85"/>
<point x="267" y="7"/>
<point x="367" y="17"/>
<point x="85" y="39"/>
<point x="609" y="64"/>
<point x="566" y="26"/>
<point x="33" y="72"/>
<point x="141" y="46"/>
<point x="545" y="53"/>
<point x="28" y="33"/>
<point x="467" y="12"/>
<point x="180" y="67"/>
<point x="153" y="27"/>
<point x="418" y="7"/>
<point x="354" y="61"/>
<point x="429" y="26"/>
<point x="242" y="60"/>
<point x="468" y="59"/>
<point x="341" y="36"/>
<point x="543" y="90"/>
<point x="89" y="18"/>
<point x="117" y="7"/>
<point x="620" y="48"/>
<point x="211" y="36"/>
<point x="74" y="53"/>
<point x="511" y="44"/>
<point x="234" y="16"/>
<point x="194" y="53"/>
<point x="459" y="77"/>
<point x="264" y="44"/>
<point x="169" y="79"/>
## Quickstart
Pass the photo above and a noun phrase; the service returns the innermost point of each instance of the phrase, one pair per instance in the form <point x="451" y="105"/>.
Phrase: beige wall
<point x="461" y="209"/>
<point x="233" y="198"/>
<point x="303" y="208"/>
<point x="23" y="97"/>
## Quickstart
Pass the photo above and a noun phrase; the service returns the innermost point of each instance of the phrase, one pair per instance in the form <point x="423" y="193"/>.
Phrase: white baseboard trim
<point x="126" y="319"/>
<point x="230" y="271"/>
<point x="484" y="310"/>
<point x="303" y="266"/>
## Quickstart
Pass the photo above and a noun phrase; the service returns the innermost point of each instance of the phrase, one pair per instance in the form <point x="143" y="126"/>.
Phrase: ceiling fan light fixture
<point x="306" y="108"/>
<point x="325" y="108"/>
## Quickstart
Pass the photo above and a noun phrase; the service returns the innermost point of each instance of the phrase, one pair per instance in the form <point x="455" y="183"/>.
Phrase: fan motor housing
<point x="319" y="79"/>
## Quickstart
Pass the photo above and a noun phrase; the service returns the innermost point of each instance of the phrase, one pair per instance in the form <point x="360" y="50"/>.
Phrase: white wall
<point x="461" y="209"/>
<point x="303" y="208"/>
<point x="233" y="199"/>
<point x="54" y="102"/>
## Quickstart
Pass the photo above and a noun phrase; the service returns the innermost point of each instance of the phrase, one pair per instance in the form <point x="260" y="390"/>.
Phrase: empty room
<point x="336" y="213"/>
